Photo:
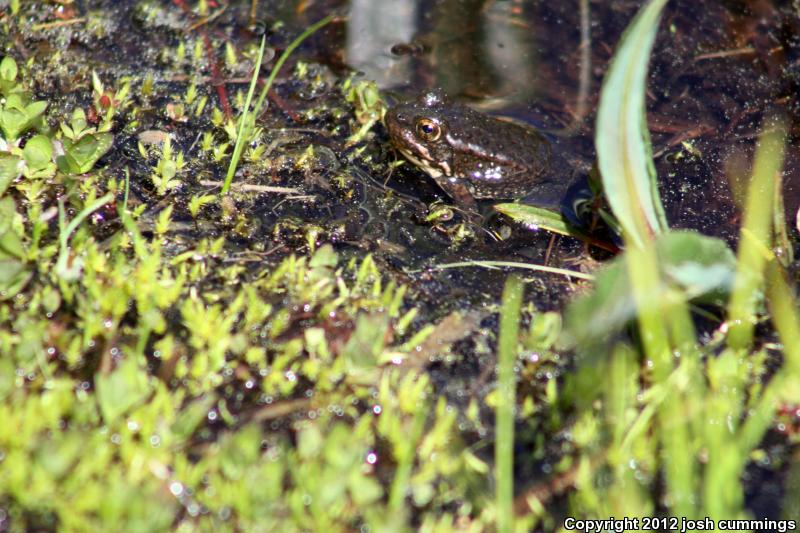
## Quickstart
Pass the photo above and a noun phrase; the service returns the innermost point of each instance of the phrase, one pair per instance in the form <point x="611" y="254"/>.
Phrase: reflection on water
<point x="373" y="27"/>
<point x="467" y="47"/>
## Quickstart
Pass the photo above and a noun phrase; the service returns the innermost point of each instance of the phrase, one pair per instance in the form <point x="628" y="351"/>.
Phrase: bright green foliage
<point x="13" y="272"/>
<point x="38" y="154"/>
<point x="682" y="414"/>
<point x="692" y="267"/>
<point x="8" y="76"/>
<point x="17" y="116"/>
<point x="83" y="145"/>
<point x="142" y="433"/>
<point x="9" y="170"/>
<point x="369" y="106"/>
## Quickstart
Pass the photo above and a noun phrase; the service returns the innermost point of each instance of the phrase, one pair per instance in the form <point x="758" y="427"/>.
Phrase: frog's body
<point x="474" y="156"/>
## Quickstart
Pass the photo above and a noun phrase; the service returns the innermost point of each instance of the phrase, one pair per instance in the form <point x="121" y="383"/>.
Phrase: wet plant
<point x="671" y="407"/>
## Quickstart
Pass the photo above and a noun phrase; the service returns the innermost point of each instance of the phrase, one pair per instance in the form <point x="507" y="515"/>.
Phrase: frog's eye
<point x="428" y="130"/>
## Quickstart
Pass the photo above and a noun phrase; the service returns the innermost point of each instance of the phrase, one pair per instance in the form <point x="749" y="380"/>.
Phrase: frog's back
<point x="499" y="159"/>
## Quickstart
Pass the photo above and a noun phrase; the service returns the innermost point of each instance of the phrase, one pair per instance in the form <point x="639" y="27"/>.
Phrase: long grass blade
<point x="506" y="388"/>
<point x="244" y="121"/>
<point x="623" y="147"/>
<point x="248" y="119"/>
<point x="754" y="241"/>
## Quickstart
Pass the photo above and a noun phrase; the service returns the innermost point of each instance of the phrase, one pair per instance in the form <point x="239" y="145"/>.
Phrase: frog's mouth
<point x="425" y="165"/>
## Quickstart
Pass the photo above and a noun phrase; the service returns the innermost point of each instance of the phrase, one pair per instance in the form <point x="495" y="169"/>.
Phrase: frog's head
<point x="419" y="130"/>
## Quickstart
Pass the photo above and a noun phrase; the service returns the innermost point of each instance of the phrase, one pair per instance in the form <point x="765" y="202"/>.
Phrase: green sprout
<point x="108" y="103"/>
<point x="167" y="169"/>
<point x="197" y="202"/>
<point x="247" y="120"/>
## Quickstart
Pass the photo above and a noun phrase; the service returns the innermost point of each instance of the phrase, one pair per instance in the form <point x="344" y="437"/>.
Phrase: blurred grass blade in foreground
<point x="623" y="147"/>
<point x="756" y="235"/>
<point x="506" y="399"/>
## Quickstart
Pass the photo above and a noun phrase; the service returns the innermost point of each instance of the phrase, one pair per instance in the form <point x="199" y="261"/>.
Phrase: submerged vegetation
<point x="174" y="356"/>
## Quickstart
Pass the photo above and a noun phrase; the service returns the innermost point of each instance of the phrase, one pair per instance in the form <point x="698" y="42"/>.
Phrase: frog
<point x="473" y="156"/>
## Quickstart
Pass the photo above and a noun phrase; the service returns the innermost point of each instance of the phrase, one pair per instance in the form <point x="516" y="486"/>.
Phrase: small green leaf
<point x="34" y="110"/>
<point x="16" y="117"/>
<point x="366" y="342"/>
<point x="80" y="156"/>
<point x="9" y="170"/>
<point x="198" y="201"/>
<point x="97" y="85"/>
<point x="703" y="267"/>
<point x="324" y="257"/>
<point x="10" y="242"/>
<point x="536" y="217"/>
<point x="14" y="274"/>
<point x="13" y="277"/>
<point x="38" y="152"/>
<point x="11" y="245"/>
<point x="15" y="101"/>
<point x="12" y="122"/>
<point x="78" y="121"/>
<point x="8" y="69"/>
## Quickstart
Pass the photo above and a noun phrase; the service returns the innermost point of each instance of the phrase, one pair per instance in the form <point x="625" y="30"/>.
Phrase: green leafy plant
<point x="38" y="155"/>
<point x="624" y="155"/>
<point x="688" y="413"/>
<point x="82" y="145"/>
<point x="165" y="172"/>
<point x="17" y="116"/>
<point x="369" y="106"/>
<point x="197" y="202"/>
<point x="247" y="120"/>
<point x="8" y="77"/>
<point x="18" y="113"/>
